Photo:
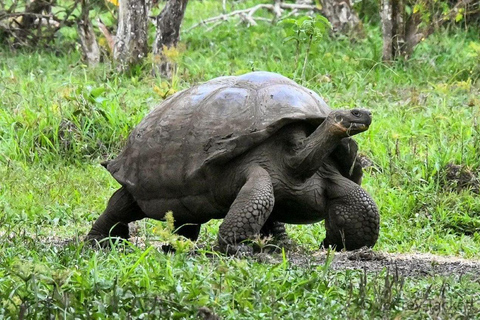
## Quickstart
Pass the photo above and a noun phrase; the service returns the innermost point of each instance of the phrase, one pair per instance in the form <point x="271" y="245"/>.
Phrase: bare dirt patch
<point x="371" y="261"/>
<point x="405" y="264"/>
<point x="460" y="177"/>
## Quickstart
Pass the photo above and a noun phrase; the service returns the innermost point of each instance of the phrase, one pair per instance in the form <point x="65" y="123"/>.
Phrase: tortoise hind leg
<point x="274" y="229"/>
<point x="187" y="230"/>
<point x="121" y="209"/>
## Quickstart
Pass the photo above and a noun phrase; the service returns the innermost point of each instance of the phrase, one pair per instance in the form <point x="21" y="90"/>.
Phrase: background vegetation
<point x="59" y="119"/>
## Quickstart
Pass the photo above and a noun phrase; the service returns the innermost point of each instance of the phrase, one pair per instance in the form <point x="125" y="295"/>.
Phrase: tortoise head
<point x="314" y="150"/>
<point x="349" y="122"/>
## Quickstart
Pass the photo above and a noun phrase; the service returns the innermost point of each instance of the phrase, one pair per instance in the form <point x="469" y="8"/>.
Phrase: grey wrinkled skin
<point x="256" y="150"/>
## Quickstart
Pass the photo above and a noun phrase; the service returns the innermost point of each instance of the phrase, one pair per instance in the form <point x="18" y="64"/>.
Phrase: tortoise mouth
<point x="353" y="127"/>
<point x="358" y="127"/>
<point x="353" y="121"/>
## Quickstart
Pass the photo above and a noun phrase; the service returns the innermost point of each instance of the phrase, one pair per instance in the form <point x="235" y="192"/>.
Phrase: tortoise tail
<point x="105" y="164"/>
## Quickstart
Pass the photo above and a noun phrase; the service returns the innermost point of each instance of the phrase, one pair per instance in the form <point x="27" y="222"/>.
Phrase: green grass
<point x="59" y="120"/>
<point x="45" y="281"/>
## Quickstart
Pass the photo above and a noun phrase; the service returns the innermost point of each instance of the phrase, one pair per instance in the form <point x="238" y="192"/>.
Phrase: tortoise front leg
<point x="113" y="222"/>
<point x="248" y="213"/>
<point x="353" y="221"/>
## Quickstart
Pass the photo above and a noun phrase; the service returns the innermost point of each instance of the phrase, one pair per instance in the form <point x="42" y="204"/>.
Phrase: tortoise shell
<point x="210" y="124"/>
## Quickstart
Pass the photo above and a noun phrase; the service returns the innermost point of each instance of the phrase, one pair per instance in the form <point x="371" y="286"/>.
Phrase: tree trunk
<point x="387" y="29"/>
<point x="402" y="31"/>
<point x="341" y="16"/>
<point x="167" y="35"/>
<point x="131" y="39"/>
<point x="88" y="41"/>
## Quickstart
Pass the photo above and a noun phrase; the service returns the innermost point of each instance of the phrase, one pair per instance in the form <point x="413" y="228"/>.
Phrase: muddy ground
<point x="371" y="261"/>
<point x="405" y="264"/>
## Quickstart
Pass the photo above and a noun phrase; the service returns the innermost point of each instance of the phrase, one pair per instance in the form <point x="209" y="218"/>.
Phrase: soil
<point x="371" y="261"/>
<point x="460" y="177"/>
<point x="404" y="264"/>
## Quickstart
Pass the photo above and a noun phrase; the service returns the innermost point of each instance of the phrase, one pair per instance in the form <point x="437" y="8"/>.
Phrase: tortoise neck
<point x="312" y="151"/>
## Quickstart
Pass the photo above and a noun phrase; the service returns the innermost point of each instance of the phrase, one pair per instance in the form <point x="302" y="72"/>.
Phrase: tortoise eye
<point x="356" y="113"/>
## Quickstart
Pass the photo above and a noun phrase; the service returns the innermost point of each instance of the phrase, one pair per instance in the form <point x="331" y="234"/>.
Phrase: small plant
<point x="305" y="30"/>
<point x="170" y="57"/>
<point x="166" y="231"/>
<point x="475" y="55"/>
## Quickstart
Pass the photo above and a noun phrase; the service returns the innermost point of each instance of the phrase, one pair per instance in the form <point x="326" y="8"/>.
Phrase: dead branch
<point x="247" y="15"/>
<point x="36" y="23"/>
<point x="106" y="33"/>
<point x="293" y="6"/>
<point x="461" y="4"/>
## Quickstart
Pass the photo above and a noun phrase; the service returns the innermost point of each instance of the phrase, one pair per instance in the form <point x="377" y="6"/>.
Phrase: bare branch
<point x="110" y="38"/>
<point x="248" y="14"/>
<point x="36" y="22"/>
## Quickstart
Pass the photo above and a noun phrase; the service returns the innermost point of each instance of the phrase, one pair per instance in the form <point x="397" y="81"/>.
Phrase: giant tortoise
<point x="257" y="151"/>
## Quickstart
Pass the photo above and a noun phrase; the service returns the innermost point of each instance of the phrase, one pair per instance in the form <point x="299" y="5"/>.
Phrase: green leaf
<point x="322" y="19"/>
<point x="416" y="8"/>
<point x="100" y="100"/>
<point x="302" y="20"/>
<point x="290" y="32"/>
<point x="408" y="10"/>
<point x="287" y="22"/>
<point x="95" y="92"/>
<point x="286" y="39"/>
<point x="458" y="17"/>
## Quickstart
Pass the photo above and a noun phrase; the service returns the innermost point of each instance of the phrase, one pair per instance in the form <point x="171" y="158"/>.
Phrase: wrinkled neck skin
<point x="312" y="151"/>
<point x="338" y="186"/>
